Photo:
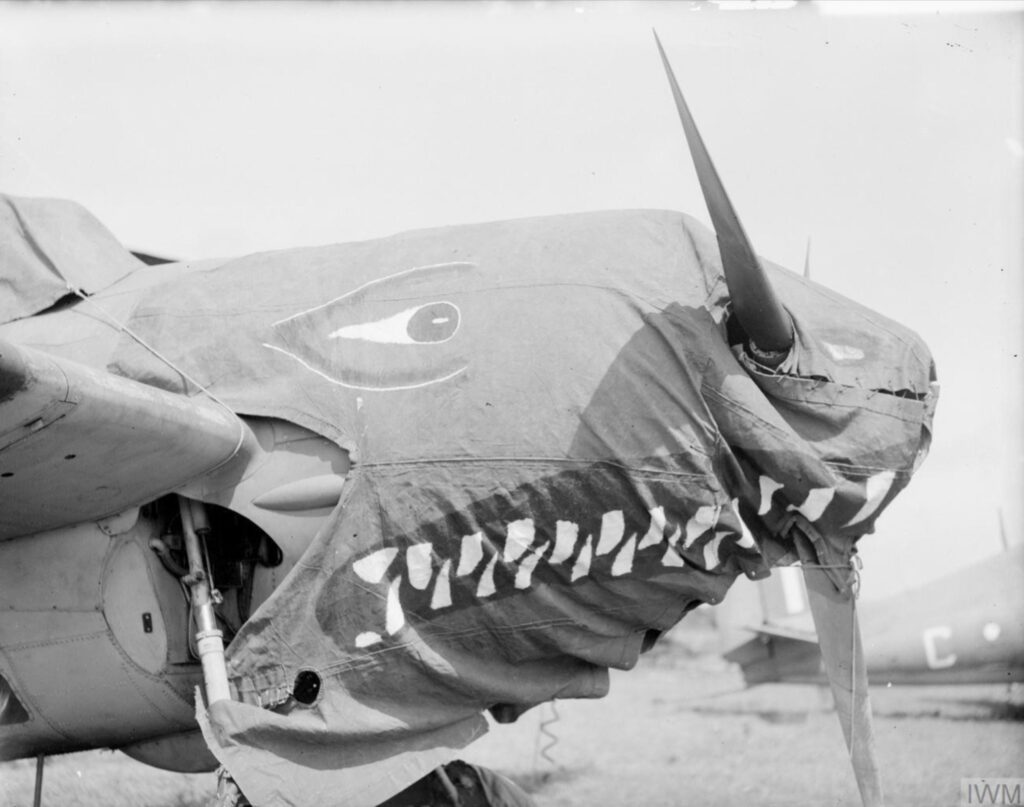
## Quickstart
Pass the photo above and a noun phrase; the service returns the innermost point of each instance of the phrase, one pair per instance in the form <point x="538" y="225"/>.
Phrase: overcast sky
<point x="893" y="141"/>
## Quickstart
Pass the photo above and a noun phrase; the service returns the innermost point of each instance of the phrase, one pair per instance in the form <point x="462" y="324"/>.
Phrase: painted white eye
<point x="845" y="353"/>
<point x="428" y="324"/>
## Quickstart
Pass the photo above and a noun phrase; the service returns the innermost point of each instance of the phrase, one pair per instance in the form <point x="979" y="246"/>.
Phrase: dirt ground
<point x="678" y="730"/>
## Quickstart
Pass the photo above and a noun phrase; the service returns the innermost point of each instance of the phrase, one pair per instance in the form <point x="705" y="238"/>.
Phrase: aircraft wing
<point x="778" y="653"/>
<point x="774" y="631"/>
<point x="80" y="444"/>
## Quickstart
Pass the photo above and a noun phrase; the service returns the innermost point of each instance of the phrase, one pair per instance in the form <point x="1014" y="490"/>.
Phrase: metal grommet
<point x="307" y="687"/>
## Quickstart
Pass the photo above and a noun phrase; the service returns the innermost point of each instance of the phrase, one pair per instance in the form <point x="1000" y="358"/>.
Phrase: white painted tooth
<point x="815" y="503"/>
<point x="524" y="574"/>
<point x="672" y="556"/>
<point x="877" y="488"/>
<point x="442" y="597"/>
<point x="368" y="639"/>
<point x="472" y="553"/>
<point x="582" y="566"/>
<point x="747" y="538"/>
<point x="518" y="539"/>
<point x="613" y="527"/>
<point x="395" y="617"/>
<point x="673" y="539"/>
<point x="566" y="533"/>
<point x="417" y="562"/>
<point x="373" y="566"/>
<point x="656" y="532"/>
<point x="768" y="487"/>
<point x="700" y="522"/>
<point x="486" y="586"/>
<point x="711" y="559"/>
<point x="624" y="560"/>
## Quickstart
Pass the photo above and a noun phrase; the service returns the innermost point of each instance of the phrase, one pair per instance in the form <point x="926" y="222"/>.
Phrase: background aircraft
<point x="965" y="628"/>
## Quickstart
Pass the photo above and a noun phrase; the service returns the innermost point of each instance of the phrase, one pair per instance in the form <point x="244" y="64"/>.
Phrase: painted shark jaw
<point x="541" y="536"/>
<point x="425" y="581"/>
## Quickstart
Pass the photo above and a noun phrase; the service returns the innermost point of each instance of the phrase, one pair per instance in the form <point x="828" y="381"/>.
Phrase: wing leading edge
<point x="79" y="444"/>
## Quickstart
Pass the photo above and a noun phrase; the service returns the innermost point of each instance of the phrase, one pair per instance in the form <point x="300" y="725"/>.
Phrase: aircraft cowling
<point x="552" y="442"/>
<point x="89" y="640"/>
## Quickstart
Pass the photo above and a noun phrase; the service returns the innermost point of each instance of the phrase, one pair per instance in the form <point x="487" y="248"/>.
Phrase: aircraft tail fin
<point x="766" y="628"/>
<point x="779" y="601"/>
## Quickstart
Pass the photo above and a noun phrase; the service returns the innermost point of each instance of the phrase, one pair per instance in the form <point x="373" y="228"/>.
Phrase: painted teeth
<point x="442" y="597"/>
<point x="582" y="566"/>
<point x="425" y="570"/>
<point x="373" y="567"/>
<point x="768" y="487"/>
<point x="566" y="534"/>
<point x="814" y="505"/>
<point x="711" y="557"/>
<point x="486" y="586"/>
<point x="612" y="528"/>
<point x="624" y="560"/>
<point x="417" y="562"/>
<point x="703" y="520"/>
<point x="421" y="561"/>
<point x="368" y="639"/>
<point x="518" y="539"/>
<point x="656" y="532"/>
<point x="423" y="566"/>
<point x="395" y="616"/>
<point x="672" y="556"/>
<point x="472" y="553"/>
<point x="524" y="575"/>
<point x="877" y="488"/>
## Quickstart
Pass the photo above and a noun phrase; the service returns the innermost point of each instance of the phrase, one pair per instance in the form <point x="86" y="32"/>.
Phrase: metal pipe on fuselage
<point x="209" y="638"/>
<point x="37" y="798"/>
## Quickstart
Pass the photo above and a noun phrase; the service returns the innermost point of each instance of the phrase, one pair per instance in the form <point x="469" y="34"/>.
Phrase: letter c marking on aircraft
<point x="931" y="652"/>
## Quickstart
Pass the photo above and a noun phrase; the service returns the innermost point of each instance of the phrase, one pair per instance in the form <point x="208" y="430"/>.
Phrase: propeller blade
<point x="835" y="620"/>
<point x="754" y="301"/>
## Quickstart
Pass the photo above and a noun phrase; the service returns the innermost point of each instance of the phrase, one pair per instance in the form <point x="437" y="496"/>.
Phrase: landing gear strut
<point x="37" y="799"/>
<point x="209" y="637"/>
<point x="210" y="640"/>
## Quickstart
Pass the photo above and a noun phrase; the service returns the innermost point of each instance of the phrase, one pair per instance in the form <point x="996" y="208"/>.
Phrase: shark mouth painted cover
<point x="557" y="437"/>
